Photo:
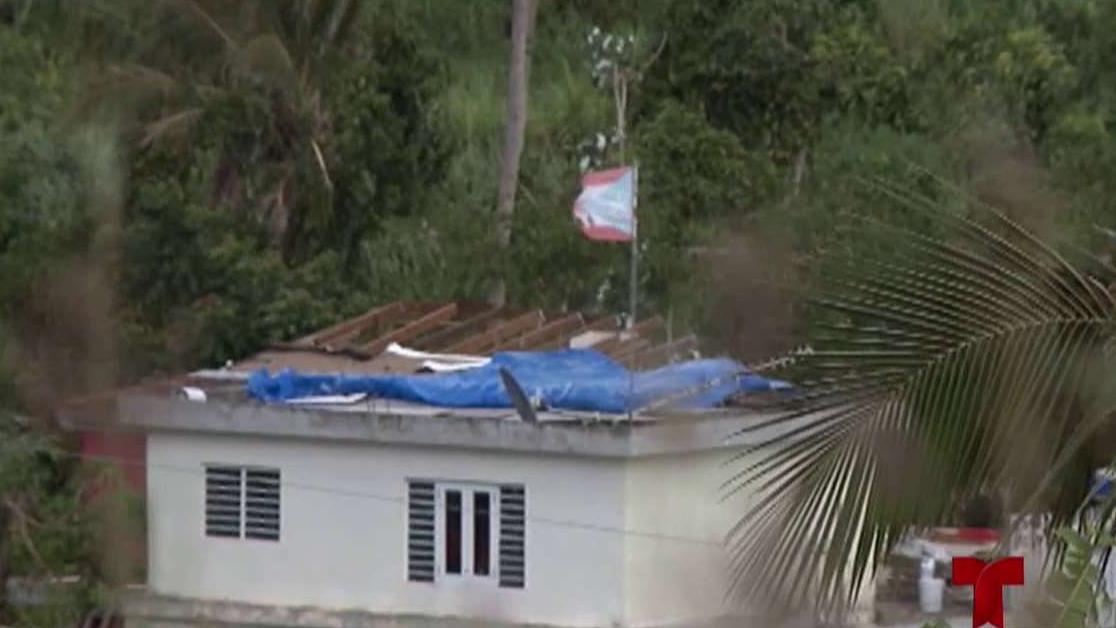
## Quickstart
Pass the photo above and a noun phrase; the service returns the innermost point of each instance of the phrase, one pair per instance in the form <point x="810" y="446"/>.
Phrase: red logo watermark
<point x="988" y="581"/>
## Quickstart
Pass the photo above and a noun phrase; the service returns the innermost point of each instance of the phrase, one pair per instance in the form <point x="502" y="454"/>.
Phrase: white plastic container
<point x="930" y="591"/>
<point x="926" y="568"/>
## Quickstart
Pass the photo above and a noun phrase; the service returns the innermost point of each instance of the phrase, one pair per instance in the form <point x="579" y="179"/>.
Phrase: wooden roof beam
<point x="547" y="333"/>
<point x="628" y="347"/>
<point x="661" y="354"/>
<point x="648" y="327"/>
<point x="342" y="333"/>
<point x="601" y="325"/>
<point x="434" y="318"/>
<point x="438" y="340"/>
<point x="604" y="323"/>
<point x="644" y="329"/>
<point x="494" y="336"/>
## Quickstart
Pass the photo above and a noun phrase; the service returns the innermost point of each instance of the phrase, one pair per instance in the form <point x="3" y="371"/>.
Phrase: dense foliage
<point x="282" y="164"/>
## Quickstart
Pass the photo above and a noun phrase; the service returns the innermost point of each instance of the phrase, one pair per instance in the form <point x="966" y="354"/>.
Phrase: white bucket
<point x="930" y="592"/>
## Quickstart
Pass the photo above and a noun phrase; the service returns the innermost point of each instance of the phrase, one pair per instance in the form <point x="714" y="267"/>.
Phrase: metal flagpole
<point x="633" y="284"/>
<point x="633" y="279"/>
<point x="620" y="93"/>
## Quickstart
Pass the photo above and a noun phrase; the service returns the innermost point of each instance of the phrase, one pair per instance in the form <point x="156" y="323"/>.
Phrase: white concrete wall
<point x="674" y="559"/>
<point x="344" y="547"/>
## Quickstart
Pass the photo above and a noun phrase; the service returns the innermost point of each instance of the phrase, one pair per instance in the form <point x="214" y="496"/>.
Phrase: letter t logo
<point x="988" y="582"/>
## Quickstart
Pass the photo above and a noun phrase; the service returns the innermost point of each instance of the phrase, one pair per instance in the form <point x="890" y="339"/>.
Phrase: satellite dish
<point x="518" y="398"/>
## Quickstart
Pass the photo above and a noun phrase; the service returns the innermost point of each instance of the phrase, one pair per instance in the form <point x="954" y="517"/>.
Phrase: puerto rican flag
<point x="605" y="209"/>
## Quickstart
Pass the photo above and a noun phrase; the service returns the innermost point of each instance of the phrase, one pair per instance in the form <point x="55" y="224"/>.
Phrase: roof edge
<point x="599" y="439"/>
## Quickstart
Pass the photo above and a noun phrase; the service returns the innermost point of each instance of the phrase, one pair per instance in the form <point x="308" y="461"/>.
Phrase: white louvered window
<point x="465" y="532"/>
<point x="242" y="502"/>
<point x="420" y="531"/>
<point x="223" y="492"/>
<point x="513" y="536"/>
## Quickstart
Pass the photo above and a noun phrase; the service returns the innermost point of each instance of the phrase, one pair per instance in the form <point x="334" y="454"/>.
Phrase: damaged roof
<point x="367" y="344"/>
<point x="357" y="345"/>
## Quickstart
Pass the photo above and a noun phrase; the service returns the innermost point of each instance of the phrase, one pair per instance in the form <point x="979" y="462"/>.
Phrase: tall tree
<point x="249" y="74"/>
<point x="523" y="23"/>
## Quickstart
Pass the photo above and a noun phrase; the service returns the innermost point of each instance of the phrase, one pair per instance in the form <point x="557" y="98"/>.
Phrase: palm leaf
<point x="177" y="124"/>
<point x="127" y="88"/>
<point x="142" y="78"/>
<point x="1072" y="588"/>
<point x="343" y="17"/>
<point x="194" y="9"/>
<point x="955" y="360"/>
<point x="266" y="57"/>
<point x="319" y="159"/>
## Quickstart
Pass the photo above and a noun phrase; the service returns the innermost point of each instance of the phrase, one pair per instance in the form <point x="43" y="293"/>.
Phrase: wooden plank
<point x="499" y="333"/>
<point x="628" y="347"/>
<point x="348" y="352"/>
<point x="648" y="327"/>
<point x="609" y="343"/>
<point x="604" y="323"/>
<point x="438" y="340"/>
<point x="414" y="328"/>
<point x="662" y="354"/>
<point x="645" y="329"/>
<point x="554" y="343"/>
<point x="548" y="332"/>
<point x="346" y="330"/>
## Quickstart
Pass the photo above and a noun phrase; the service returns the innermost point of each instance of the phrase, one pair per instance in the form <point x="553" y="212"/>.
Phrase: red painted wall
<point x="125" y="450"/>
<point x="124" y="540"/>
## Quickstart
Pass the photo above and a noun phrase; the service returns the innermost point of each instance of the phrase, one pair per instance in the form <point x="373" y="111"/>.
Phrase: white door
<point x="466" y="532"/>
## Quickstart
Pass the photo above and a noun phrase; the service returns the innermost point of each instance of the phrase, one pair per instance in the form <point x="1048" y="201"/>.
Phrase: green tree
<point x="523" y="15"/>
<point x="56" y="209"/>
<point x="251" y="75"/>
<point x="46" y="531"/>
<point x="203" y="281"/>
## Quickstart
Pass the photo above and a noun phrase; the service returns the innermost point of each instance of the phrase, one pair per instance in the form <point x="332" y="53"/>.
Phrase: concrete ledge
<point x="26" y="592"/>
<point x="678" y="435"/>
<point x="148" y="610"/>
<point x="145" y="610"/>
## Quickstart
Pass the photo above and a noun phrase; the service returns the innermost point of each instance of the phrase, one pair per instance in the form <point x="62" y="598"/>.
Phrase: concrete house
<point x="352" y="510"/>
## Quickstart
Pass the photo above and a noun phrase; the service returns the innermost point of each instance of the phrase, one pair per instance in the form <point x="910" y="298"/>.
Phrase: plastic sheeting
<point x="572" y="379"/>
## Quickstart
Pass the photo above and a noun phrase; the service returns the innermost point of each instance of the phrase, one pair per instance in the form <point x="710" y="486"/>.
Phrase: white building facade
<point x="271" y="515"/>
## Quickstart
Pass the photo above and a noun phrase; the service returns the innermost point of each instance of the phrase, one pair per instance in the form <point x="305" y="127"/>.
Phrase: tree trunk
<point x="523" y="21"/>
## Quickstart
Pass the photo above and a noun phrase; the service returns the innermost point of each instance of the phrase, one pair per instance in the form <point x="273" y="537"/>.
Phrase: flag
<point x="605" y="209"/>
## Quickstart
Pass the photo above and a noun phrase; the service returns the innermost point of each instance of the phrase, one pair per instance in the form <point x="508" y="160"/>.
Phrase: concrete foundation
<point x="145" y="610"/>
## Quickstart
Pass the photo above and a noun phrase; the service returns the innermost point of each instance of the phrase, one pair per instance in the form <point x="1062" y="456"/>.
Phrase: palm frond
<point x="176" y="124"/>
<point x="197" y="11"/>
<point x="343" y="20"/>
<point x="319" y="159"/>
<point x="130" y="87"/>
<point x="955" y="360"/>
<point x="331" y="19"/>
<point x="266" y="57"/>
<point x="141" y="77"/>
<point x="1073" y="587"/>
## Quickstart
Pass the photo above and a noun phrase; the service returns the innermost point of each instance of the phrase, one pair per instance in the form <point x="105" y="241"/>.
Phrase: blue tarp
<point x="571" y="379"/>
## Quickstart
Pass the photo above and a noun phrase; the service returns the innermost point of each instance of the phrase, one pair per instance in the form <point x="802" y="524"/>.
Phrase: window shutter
<point x="420" y="531"/>
<point x="261" y="504"/>
<point x="513" y="536"/>
<point x="222" y="501"/>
